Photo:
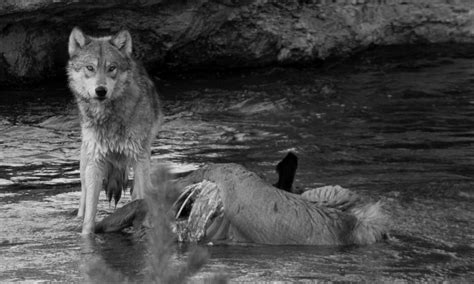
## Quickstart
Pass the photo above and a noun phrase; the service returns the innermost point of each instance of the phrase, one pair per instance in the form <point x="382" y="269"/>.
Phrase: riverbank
<point x="172" y="37"/>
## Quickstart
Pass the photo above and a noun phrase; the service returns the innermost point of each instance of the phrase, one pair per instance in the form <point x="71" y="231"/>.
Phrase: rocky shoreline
<point x="176" y="36"/>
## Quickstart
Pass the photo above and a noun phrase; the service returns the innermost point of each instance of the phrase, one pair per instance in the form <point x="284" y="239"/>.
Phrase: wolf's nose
<point x="101" y="92"/>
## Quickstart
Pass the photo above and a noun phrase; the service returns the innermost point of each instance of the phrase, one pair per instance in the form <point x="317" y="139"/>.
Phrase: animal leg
<point x="94" y="176"/>
<point x="142" y="179"/>
<point x="82" y="166"/>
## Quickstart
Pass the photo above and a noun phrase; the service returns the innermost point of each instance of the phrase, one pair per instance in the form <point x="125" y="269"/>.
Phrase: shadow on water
<point x="399" y="130"/>
<point x="116" y="251"/>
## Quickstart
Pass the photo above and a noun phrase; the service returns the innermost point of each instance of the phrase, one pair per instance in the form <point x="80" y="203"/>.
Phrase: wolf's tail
<point x="116" y="181"/>
<point x="371" y="224"/>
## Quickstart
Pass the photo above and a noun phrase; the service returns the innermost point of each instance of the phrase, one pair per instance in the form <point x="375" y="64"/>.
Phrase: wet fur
<point x="117" y="130"/>
<point x="256" y="212"/>
<point x="116" y="181"/>
<point x="369" y="221"/>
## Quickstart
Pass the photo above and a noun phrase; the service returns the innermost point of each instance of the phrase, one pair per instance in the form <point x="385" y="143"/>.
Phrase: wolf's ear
<point x="77" y="40"/>
<point x="123" y="41"/>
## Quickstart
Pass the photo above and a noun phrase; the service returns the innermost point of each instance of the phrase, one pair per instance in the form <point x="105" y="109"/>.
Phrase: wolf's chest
<point x="103" y="142"/>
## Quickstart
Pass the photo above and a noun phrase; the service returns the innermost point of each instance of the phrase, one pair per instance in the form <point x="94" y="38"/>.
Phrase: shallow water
<point x="397" y="130"/>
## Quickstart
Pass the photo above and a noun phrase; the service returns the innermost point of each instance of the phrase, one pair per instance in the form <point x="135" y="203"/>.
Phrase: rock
<point x="183" y="35"/>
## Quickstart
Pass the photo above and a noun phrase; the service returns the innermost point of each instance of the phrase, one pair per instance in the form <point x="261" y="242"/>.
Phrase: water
<point x="399" y="129"/>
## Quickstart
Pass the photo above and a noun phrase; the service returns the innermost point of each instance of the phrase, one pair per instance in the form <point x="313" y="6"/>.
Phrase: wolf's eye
<point x="90" y="68"/>
<point x="112" y="68"/>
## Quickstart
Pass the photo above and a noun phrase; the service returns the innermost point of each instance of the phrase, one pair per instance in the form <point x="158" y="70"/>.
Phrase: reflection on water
<point x="401" y="132"/>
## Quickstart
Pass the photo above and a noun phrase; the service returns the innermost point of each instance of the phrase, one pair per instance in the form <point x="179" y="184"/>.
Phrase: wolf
<point x="120" y="114"/>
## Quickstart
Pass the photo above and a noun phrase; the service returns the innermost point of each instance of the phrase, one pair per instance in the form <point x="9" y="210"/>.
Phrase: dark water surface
<point x="401" y="131"/>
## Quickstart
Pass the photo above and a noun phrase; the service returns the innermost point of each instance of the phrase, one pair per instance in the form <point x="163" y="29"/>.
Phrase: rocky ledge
<point x="222" y="34"/>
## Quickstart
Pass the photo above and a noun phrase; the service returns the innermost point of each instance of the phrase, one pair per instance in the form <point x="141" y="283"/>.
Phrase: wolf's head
<point x="98" y="67"/>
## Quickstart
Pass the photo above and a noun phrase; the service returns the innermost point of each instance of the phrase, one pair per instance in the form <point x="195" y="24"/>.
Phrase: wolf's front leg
<point x="94" y="176"/>
<point x="82" y="166"/>
<point x="141" y="180"/>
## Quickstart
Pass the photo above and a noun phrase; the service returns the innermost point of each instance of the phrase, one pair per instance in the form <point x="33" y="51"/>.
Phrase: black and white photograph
<point x="230" y="141"/>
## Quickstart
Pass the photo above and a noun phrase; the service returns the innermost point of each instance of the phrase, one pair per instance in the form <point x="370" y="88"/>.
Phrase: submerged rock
<point x="179" y="35"/>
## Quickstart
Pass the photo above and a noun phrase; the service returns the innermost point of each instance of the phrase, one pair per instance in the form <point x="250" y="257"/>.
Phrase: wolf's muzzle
<point x="101" y="92"/>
